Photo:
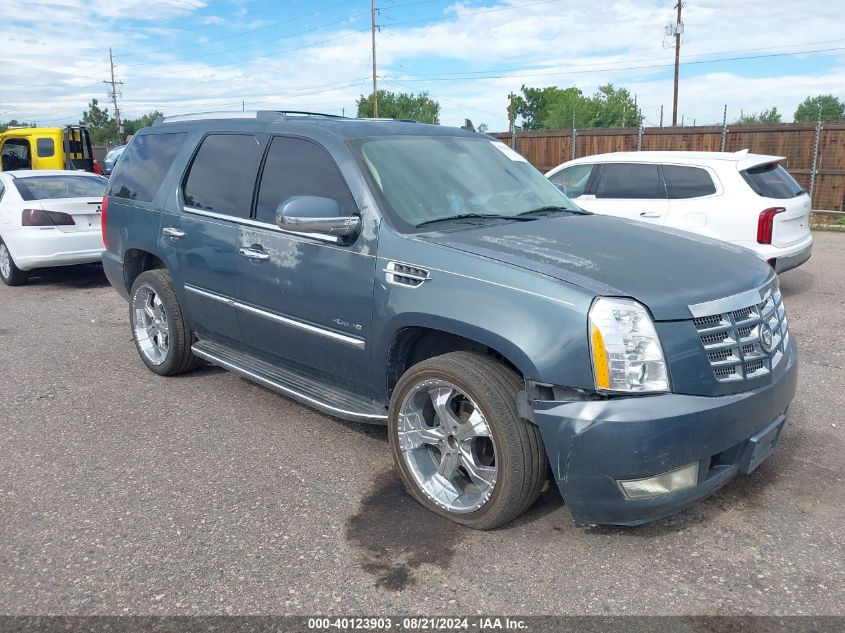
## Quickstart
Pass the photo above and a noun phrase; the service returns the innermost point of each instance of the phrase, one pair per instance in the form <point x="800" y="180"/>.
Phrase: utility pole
<point x="113" y="93"/>
<point x="661" y="115"/>
<point x="679" y="29"/>
<point x="375" y="81"/>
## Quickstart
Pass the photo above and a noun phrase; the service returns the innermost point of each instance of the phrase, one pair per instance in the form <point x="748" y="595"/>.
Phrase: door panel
<point x="309" y="303"/>
<point x="630" y="190"/>
<point x="203" y="249"/>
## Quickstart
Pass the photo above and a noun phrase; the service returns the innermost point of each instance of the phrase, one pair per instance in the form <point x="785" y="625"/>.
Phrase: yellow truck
<point x="66" y="147"/>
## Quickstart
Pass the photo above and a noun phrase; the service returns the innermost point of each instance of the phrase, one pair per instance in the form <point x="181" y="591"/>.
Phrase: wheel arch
<point x="137" y="261"/>
<point x="413" y="342"/>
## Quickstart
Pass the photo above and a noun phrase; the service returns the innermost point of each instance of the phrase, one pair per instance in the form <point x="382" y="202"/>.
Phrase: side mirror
<point x="313" y="214"/>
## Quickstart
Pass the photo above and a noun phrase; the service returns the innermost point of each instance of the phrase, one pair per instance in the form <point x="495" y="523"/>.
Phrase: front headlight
<point x="627" y="356"/>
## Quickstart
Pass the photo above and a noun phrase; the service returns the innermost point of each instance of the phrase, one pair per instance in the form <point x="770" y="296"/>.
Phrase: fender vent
<point x="401" y="274"/>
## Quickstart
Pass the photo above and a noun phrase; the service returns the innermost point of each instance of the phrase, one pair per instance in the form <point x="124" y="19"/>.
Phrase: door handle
<point x="650" y="214"/>
<point x="169" y="231"/>
<point x="252" y="253"/>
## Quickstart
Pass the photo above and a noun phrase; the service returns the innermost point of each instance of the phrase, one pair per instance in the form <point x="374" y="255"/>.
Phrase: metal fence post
<point x="815" y="155"/>
<point x="724" y="128"/>
<point x="640" y="139"/>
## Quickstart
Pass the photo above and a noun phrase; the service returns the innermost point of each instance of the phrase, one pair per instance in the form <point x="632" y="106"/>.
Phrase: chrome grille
<point x="734" y="340"/>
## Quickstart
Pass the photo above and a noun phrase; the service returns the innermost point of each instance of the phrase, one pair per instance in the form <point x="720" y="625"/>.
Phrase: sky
<point x="181" y="56"/>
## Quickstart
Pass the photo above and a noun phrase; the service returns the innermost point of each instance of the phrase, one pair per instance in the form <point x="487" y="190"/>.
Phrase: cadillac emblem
<point x="766" y="338"/>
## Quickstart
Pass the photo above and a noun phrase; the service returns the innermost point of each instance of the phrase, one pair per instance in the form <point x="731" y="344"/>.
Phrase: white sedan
<point x="48" y="218"/>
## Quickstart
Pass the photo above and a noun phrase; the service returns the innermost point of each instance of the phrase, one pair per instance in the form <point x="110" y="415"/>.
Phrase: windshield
<point x="65" y="186"/>
<point x="429" y="178"/>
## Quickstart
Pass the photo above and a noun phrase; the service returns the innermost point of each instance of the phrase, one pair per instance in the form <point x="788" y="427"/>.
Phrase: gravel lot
<point x="123" y="492"/>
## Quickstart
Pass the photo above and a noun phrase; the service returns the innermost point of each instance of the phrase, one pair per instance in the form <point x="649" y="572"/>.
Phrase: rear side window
<point x="687" y="182"/>
<point x="223" y="167"/>
<point x="64" y="186"/>
<point x="772" y="181"/>
<point x="296" y="167"/>
<point x="630" y="180"/>
<point x="45" y="147"/>
<point x="144" y="165"/>
<point x="572" y="180"/>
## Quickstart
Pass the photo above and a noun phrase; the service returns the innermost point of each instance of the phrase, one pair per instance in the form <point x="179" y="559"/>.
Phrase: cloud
<point x="549" y="43"/>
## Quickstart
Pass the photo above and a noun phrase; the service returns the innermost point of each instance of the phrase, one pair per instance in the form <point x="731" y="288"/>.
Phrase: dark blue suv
<point x="430" y="279"/>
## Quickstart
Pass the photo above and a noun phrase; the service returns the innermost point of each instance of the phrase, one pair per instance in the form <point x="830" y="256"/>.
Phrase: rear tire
<point x="9" y="271"/>
<point x="161" y="336"/>
<point x="459" y="444"/>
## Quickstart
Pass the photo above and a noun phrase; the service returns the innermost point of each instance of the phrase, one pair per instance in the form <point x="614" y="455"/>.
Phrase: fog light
<point x="663" y="484"/>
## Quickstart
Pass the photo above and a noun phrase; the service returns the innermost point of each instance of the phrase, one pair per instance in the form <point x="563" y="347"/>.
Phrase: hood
<point x="665" y="269"/>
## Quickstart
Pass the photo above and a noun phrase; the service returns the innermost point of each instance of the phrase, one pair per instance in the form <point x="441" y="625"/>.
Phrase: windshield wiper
<point x="473" y="216"/>
<point x="550" y="209"/>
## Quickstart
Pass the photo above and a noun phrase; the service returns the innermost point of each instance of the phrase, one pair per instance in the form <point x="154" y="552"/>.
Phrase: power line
<point x="615" y="68"/>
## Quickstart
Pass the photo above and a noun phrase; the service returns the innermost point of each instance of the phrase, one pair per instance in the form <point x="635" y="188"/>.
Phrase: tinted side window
<point x="687" y="182"/>
<point x="630" y="180"/>
<point x="144" y="165"/>
<point x="573" y="180"/>
<point x="296" y="167"/>
<point x="772" y="181"/>
<point x="45" y="147"/>
<point x="223" y="166"/>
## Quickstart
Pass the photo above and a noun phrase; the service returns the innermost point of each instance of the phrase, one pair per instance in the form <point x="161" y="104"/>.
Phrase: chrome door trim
<point x="307" y="327"/>
<point x="277" y="386"/>
<point x="331" y="239"/>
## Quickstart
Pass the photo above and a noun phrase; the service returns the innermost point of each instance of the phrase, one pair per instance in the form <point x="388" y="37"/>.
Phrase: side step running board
<point x="288" y="383"/>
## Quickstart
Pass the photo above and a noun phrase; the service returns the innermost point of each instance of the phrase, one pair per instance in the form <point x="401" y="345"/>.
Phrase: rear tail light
<point x="103" y="212"/>
<point x="41" y="217"/>
<point x="766" y="224"/>
<point x="97" y="168"/>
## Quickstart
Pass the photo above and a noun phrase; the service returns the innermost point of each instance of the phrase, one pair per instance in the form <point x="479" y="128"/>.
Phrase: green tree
<point x="553" y="107"/>
<point x="766" y="116"/>
<point x="550" y="107"/>
<point x="404" y="105"/>
<point x="833" y="109"/>
<point x="101" y="125"/>
<point x="614" y="107"/>
<point x="131" y="126"/>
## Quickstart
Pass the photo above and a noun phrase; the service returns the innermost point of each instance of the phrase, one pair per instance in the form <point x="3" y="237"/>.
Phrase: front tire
<point x="459" y="444"/>
<point x="9" y="271"/>
<point x="162" y="337"/>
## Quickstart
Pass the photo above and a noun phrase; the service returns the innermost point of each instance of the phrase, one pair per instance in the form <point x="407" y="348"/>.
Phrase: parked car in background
<point x="111" y="159"/>
<point x="48" y="218"/>
<point x="745" y="199"/>
<point x="66" y="147"/>
<point x="430" y="279"/>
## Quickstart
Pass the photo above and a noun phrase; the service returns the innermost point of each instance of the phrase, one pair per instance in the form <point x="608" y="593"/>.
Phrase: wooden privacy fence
<point x="805" y="145"/>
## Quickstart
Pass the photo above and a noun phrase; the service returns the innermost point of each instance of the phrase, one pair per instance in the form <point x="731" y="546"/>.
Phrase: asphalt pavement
<point x="122" y="492"/>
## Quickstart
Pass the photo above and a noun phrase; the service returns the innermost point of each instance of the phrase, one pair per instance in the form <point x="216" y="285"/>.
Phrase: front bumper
<point x="593" y="444"/>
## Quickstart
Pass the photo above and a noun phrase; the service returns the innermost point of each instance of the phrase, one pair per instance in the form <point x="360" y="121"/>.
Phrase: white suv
<point x="746" y="199"/>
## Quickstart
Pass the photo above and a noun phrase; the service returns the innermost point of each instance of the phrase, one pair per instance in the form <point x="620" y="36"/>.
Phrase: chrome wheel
<point x="5" y="262"/>
<point x="447" y="445"/>
<point x="149" y="324"/>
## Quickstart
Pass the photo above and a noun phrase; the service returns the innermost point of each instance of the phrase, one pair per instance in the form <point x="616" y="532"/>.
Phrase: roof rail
<point x="240" y="114"/>
<point x="305" y="113"/>
<point x="201" y="116"/>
